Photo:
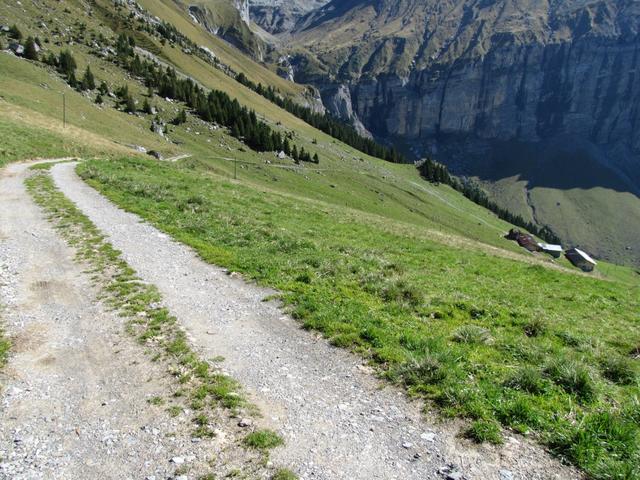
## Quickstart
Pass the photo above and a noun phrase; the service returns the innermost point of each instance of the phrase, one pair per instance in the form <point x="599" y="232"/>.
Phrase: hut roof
<point x="550" y="247"/>
<point x="584" y="255"/>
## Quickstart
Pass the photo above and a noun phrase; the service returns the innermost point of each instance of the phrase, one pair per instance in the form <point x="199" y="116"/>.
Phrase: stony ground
<point x="75" y="395"/>
<point x="338" y="421"/>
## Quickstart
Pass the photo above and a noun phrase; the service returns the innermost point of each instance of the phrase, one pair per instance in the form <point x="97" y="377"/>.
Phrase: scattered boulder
<point x="155" y="154"/>
<point x="158" y="127"/>
<point x="245" y="422"/>
<point x="16" y="48"/>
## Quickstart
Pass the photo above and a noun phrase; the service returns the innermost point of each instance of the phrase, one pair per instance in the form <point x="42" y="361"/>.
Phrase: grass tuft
<point x="528" y="380"/>
<point x="573" y="377"/>
<point x="535" y="327"/>
<point x="5" y="346"/>
<point x="472" y="334"/>
<point x="619" y="370"/>
<point x="284" y="474"/>
<point x="482" y="431"/>
<point x="263" y="440"/>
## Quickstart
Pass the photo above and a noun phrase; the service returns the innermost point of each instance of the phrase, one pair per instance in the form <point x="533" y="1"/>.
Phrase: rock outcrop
<point x="279" y="16"/>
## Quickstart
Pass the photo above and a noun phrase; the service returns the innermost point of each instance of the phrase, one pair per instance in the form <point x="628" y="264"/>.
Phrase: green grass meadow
<point x="497" y="341"/>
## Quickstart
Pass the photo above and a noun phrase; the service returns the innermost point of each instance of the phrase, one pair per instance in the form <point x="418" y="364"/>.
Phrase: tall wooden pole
<point x="64" y="110"/>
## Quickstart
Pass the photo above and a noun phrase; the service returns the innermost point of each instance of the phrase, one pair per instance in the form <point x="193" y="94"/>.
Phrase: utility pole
<point x="64" y="111"/>
<point x="235" y="168"/>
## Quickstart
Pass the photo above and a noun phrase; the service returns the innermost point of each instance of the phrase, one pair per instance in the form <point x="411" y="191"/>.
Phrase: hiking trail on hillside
<point x="337" y="419"/>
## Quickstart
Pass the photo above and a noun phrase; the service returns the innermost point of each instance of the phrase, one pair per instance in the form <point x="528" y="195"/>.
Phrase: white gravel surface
<point x="339" y="422"/>
<point x="73" y="397"/>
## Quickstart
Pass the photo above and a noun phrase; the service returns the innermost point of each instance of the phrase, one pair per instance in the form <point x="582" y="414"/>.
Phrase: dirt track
<point x="336" y="419"/>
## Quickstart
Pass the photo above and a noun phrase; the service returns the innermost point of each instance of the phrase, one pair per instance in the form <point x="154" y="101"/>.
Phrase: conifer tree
<point x="129" y="104"/>
<point x="146" y="107"/>
<point x="30" y="51"/>
<point x="88" y="80"/>
<point x="15" y="33"/>
<point x="67" y="65"/>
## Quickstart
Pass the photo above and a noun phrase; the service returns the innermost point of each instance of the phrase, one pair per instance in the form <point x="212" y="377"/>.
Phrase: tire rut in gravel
<point x="74" y="394"/>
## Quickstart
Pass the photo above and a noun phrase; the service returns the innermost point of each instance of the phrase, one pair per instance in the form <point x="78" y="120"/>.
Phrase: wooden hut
<point x="553" y="250"/>
<point x="581" y="260"/>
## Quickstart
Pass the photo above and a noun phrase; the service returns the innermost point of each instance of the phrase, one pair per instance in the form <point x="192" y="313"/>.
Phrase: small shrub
<point x="535" y="327"/>
<point x="619" y="370"/>
<point x="573" y="377"/>
<point x="528" y="380"/>
<point x="263" y="440"/>
<point x="485" y="431"/>
<point x="15" y="33"/>
<point x="472" y="334"/>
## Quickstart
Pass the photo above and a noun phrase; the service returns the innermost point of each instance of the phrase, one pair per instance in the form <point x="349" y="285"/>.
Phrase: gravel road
<point x="338" y="420"/>
<point x="74" y="395"/>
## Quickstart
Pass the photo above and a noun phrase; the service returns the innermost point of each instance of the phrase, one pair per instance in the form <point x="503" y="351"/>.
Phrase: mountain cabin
<point x="581" y="260"/>
<point x="554" y="250"/>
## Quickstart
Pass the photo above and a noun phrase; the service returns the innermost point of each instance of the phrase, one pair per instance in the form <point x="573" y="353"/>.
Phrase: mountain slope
<point x="470" y="82"/>
<point x="278" y="16"/>
<point x="410" y="275"/>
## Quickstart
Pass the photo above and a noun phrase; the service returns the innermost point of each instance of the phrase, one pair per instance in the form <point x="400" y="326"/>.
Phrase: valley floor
<point x="78" y="392"/>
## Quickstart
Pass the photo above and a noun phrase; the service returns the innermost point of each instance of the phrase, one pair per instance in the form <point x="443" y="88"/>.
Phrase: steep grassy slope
<point x="177" y="15"/>
<point x="411" y="275"/>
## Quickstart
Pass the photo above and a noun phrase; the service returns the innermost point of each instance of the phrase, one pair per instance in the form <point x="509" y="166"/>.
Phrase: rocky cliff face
<point x="587" y="90"/>
<point x="280" y="16"/>
<point x="424" y="72"/>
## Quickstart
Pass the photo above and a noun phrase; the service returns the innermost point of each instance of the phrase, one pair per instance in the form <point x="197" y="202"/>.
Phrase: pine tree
<point x="146" y="107"/>
<point x="88" y="80"/>
<point x="180" y="118"/>
<point x="123" y="92"/>
<point x="99" y="100"/>
<point x="30" y="51"/>
<point x="235" y="131"/>
<point x="73" y="82"/>
<point x="286" y="147"/>
<point x="15" y="33"/>
<point x="129" y="104"/>
<point x="67" y="64"/>
<point x="51" y="59"/>
<point x="294" y="153"/>
<point x="316" y="159"/>
<point x="103" y="88"/>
